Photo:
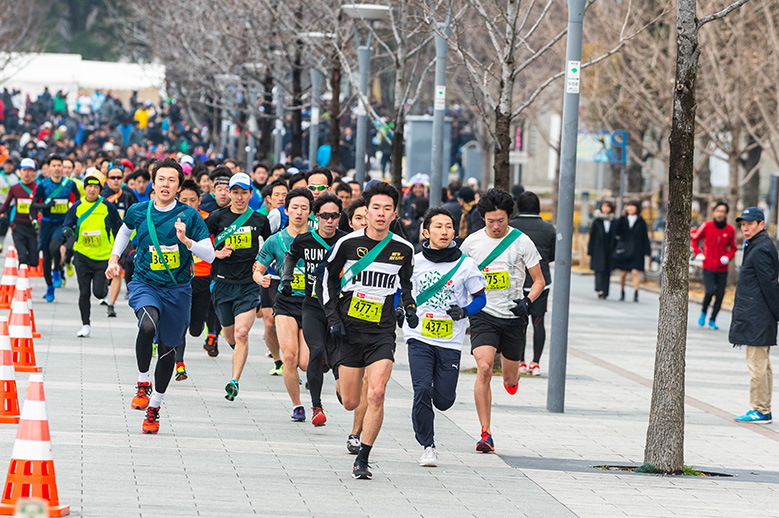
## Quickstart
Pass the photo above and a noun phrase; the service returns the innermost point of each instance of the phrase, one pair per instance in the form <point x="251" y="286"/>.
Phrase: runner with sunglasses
<point x="311" y="247"/>
<point x="318" y="180"/>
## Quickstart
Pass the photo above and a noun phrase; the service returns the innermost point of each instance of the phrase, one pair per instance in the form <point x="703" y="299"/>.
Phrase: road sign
<point x="572" y="77"/>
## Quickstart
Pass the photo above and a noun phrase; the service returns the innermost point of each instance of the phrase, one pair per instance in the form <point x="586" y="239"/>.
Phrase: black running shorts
<point x="290" y="307"/>
<point x="507" y="335"/>
<point x="230" y="300"/>
<point x="363" y="349"/>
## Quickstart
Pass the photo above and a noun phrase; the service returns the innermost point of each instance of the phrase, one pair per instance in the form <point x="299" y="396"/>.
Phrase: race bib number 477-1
<point x="496" y="279"/>
<point x="171" y="254"/>
<point x="366" y="307"/>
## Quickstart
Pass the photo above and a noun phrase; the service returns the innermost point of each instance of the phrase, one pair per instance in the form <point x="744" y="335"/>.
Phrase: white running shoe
<point x="84" y="332"/>
<point x="429" y="459"/>
<point x="523" y="368"/>
<point x="534" y="370"/>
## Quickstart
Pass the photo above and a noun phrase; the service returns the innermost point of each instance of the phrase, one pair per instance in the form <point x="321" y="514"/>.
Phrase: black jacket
<point x="633" y="240"/>
<point x="544" y="236"/>
<point x="756" y="308"/>
<point x="600" y="246"/>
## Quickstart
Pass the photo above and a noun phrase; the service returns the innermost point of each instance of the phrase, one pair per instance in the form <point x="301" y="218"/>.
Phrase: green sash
<point x="229" y="231"/>
<point x="365" y="260"/>
<point x="26" y="189"/>
<point x="284" y="247"/>
<point x="512" y="236"/>
<point x="320" y="240"/>
<point x="88" y="212"/>
<point x="156" y="242"/>
<point x="65" y="181"/>
<point x="440" y="283"/>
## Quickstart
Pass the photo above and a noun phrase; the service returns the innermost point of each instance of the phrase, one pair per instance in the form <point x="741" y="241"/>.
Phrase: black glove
<point x="411" y="316"/>
<point x="400" y="316"/>
<point x="522" y="307"/>
<point x="338" y="330"/>
<point x="67" y="232"/>
<point x="286" y="289"/>
<point x="456" y="312"/>
<point x="48" y="205"/>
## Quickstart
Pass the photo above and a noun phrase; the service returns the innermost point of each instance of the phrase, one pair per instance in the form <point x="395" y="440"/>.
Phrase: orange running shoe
<point x="485" y="445"/>
<point x="511" y="389"/>
<point x="141" y="399"/>
<point x="151" y="424"/>
<point x="319" y="418"/>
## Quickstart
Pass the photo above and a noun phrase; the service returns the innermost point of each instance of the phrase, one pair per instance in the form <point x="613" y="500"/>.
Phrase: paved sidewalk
<point x="217" y="458"/>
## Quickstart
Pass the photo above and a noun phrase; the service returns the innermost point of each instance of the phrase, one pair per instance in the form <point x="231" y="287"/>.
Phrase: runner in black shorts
<point x="362" y="276"/>
<point x="239" y="233"/>
<point x="288" y="308"/>
<point x="502" y="254"/>
<point x="311" y="247"/>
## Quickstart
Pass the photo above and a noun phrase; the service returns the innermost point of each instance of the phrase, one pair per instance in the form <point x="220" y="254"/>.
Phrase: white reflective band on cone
<point x="32" y="450"/>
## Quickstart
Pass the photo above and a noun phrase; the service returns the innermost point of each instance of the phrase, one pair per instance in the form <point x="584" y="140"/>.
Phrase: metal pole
<point x="621" y="201"/>
<point x="439" y="124"/>
<point x="313" y="130"/>
<point x="252" y="126"/>
<point x="364" y="59"/>
<point x="555" y="399"/>
<point x="278" y="139"/>
<point x="223" y="136"/>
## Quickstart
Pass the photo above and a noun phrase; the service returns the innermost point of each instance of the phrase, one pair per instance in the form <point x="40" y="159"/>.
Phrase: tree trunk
<point x="264" y="145"/>
<point x="502" y="146"/>
<point x="751" y="190"/>
<point x="734" y="166"/>
<point x="335" y="111"/>
<point x="297" y="102"/>
<point x="665" y="434"/>
<point x="397" y="150"/>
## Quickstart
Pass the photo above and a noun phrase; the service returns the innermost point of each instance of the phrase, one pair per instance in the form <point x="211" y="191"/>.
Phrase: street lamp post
<point x="278" y="140"/>
<point x="313" y="129"/>
<point x="225" y="81"/>
<point x="369" y="13"/>
<point x="439" y="111"/>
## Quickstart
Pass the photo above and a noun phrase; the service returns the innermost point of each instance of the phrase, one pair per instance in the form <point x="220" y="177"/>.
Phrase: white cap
<point x="186" y="159"/>
<point x="27" y="163"/>
<point x="241" y="180"/>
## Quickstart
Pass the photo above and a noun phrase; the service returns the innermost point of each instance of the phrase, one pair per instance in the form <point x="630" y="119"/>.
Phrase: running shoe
<point x="534" y="369"/>
<point x="523" y="368"/>
<point x="361" y="470"/>
<point x="485" y="445"/>
<point x="141" y="399"/>
<point x="181" y="371"/>
<point x="110" y="311"/>
<point x="319" y="418"/>
<point x="49" y="296"/>
<point x="268" y="353"/>
<point x="298" y="414"/>
<point x="212" y="345"/>
<point x="152" y="422"/>
<point x="69" y="269"/>
<point x="702" y="320"/>
<point x="753" y="416"/>
<point x="232" y="390"/>
<point x="429" y="458"/>
<point x="353" y="444"/>
<point x="511" y="389"/>
<point x="56" y="279"/>
<point x="713" y="325"/>
<point x="104" y="302"/>
<point x="85" y="330"/>
<point x="277" y="371"/>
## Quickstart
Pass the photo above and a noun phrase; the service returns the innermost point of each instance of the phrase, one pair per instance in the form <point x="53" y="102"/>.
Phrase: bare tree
<point x="20" y="27"/>
<point x="665" y="434"/>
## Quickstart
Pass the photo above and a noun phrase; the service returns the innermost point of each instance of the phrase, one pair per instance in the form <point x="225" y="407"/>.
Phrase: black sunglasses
<point x="329" y="215"/>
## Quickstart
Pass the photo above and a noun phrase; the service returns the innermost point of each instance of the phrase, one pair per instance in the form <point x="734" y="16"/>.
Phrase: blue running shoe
<point x="753" y="416"/>
<point x="485" y="445"/>
<point x="702" y="320"/>
<point x="56" y="279"/>
<point x="49" y="294"/>
<point x="298" y="414"/>
<point x="713" y="325"/>
<point x="232" y="390"/>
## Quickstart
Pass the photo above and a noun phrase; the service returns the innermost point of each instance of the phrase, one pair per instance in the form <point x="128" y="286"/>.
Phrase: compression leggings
<point x="148" y="317"/>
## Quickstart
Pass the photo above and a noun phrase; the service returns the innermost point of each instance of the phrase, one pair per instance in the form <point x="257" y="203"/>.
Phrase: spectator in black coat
<point x="451" y="204"/>
<point x="544" y="236"/>
<point x="631" y="244"/>
<point x="756" y="311"/>
<point x="600" y="247"/>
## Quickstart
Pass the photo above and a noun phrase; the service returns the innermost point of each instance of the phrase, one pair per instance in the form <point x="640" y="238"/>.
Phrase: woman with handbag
<point x="631" y="244"/>
<point x="600" y="247"/>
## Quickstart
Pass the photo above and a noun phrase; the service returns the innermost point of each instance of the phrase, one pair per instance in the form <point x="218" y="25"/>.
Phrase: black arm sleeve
<point x="70" y="217"/>
<point x="406" y="286"/>
<point x="333" y="285"/>
<point x="291" y="258"/>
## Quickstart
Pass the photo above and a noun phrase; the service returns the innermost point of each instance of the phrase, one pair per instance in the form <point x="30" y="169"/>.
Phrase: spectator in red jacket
<point x="719" y="247"/>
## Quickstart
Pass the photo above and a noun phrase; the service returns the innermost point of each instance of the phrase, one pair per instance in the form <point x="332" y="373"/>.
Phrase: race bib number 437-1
<point x="496" y="279"/>
<point x="366" y="307"/>
<point x="171" y="254"/>
<point x="437" y="326"/>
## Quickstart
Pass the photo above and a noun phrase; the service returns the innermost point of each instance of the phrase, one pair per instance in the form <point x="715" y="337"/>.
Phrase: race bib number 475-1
<point x="496" y="279"/>
<point x="171" y="254"/>
<point x="437" y="326"/>
<point x="366" y="307"/>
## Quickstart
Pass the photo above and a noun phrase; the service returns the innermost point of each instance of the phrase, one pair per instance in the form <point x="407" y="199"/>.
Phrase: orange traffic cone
<point x="24" y="284"/>
<point x="31" y="473"/>
<point x="37" y="271"/>
<point x="20" y="330"/>
<point x="8" y="282"/>
<point x="9" y="408"/>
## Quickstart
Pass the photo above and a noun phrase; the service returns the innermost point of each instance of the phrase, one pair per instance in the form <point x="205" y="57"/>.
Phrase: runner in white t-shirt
<point x="500" y="327"/>
<point x="444" y="280"/>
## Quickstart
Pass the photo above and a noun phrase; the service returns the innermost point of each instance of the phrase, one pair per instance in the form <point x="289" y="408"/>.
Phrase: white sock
<point x="144" y="377"/>
<point x="156" y="398"/>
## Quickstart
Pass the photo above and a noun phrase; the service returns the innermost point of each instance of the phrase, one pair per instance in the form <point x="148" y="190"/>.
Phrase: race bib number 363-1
<point x="366" y="307"/>
<point x="437" y="326"/>
<point x="496" y="279"/>
<point x="241" y="239"/>
<point x="171" y="254"/>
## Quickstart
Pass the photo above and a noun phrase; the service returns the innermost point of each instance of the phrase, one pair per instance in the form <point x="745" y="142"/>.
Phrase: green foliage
<point x="690" y="471"/>
<point x="647" y="467"/>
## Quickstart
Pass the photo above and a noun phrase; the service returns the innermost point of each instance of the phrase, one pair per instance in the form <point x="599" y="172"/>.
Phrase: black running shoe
<point x="353" y="444"/>
<point x="360" y="470"/>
